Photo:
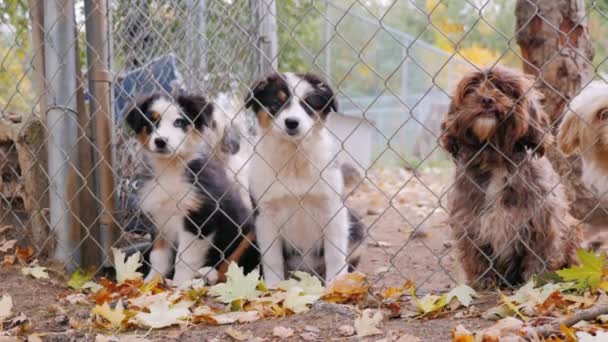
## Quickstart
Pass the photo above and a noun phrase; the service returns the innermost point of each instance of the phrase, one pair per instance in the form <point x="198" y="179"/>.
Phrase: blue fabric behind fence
<point x="159" y="75"/>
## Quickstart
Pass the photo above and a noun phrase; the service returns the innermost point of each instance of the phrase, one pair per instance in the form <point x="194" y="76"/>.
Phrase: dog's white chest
<point x="167" y="198"/>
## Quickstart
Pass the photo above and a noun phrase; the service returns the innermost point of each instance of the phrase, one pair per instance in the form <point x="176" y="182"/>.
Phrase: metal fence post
<point x="197" y="60"/>
<point x="100" y="110"/>
<point x="268" y="42"/>
<point x="62" y="123"/>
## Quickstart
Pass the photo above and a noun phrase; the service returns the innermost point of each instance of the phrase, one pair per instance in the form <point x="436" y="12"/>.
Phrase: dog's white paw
<point x="209" y="274"/>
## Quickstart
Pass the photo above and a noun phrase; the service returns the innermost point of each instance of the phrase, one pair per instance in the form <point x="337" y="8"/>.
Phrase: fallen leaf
<point x="568" y="333"/>
<point x="461" y="334"/>
<point x="350" y="287"/>
<point x="505" y="327"/>
<point x="80" y="277"/>
<point x="163" y="314"/>
<point x="309" y="336"/>
<point x="38" y="272"/>
<point x="6" y="306"/>
<point x="346" y="330"/>
<point x="92" y="286"/>
<point x="429" y="303"/>
<point x="5" y="228"/>
<point x="9" y="260"/>
<point x="298" y="301"/>
<point x="589" y="273"/>
<point x="308" y="284"/>
<point x="5" y="245"/>
<point x="238" y="286"/>
<point x="507" y="301"/>
<point x="77" y="298"/>
<point x="367" y="323"/>
<point x="282" y="332"/>
<point x="234" y="317"/>
<point x="238" y="335"/>
<point x="24" y="254"/>
<point x="114" y="316"/>
<point x="126" y="270"/>
<point x="463" y="293"/>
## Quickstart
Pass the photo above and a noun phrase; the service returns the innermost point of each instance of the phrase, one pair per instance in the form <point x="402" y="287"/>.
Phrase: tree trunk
<point x="554" y="39"/>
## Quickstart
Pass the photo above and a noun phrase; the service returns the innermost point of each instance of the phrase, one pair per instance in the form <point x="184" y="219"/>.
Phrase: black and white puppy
<point x="296" y="182"/>
<point x="200" y="217"/>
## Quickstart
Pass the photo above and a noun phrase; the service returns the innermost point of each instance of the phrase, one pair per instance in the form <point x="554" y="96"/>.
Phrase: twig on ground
<point x="585" y="315"/>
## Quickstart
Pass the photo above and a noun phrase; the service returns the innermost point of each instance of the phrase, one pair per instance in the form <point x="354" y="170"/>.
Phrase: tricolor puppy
<point x="507" y="208"/>
<point x="296" y="183"/>
<point x="584" y="129"/>
<point x="200" y="217"/>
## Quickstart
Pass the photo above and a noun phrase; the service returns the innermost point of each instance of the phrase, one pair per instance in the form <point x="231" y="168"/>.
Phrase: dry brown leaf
<point x="238" y="335"/>
<point x="347" y="288"/>
<point x="461" y="334"/>
<point x="367" y="323"/>
<point x="346" y="330"/>
<point x="5" y="228"/>
<point x="9" y="260"/>
<point x="6" y="245"/>
<point x="282" y="332"/>
<point x="309" y="336"/>
<point x="24" y="254"/>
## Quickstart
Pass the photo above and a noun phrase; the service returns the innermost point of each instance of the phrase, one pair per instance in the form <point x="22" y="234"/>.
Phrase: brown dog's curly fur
<point x="507" y="207"/>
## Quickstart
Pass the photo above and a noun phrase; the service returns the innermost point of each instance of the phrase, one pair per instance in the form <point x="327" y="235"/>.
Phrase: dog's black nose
<point x="160" y="142"/>
<point x="487" y="101"/>
<point x="291" y="123"/>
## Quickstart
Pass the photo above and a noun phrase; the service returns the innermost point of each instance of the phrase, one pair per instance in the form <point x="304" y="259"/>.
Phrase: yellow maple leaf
<point x="115" y="317"/>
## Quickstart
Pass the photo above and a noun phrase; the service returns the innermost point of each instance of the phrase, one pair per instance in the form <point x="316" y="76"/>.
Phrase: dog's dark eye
<point x="468" y="91"/>
<point x="180" y="123"/>
<point x="602" y="114"/>
<point x="316" y="102"/>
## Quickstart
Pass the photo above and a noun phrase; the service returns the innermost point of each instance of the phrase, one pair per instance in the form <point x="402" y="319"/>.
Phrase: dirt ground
<point x="408" y="239"/>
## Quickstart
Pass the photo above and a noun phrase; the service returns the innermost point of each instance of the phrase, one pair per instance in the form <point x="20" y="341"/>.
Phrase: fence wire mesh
<point x="394" y="67"/>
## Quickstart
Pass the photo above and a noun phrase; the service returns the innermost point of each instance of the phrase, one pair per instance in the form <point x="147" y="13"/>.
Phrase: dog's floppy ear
<point x="197" y="109"/>
<point x="137" y="117"/>
<point x="568" y="138"/>
<point x="256" y="92"/>
<point x="447" y="140"/>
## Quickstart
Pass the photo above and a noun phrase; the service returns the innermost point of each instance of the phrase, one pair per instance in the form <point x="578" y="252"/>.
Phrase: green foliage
<point x="300" y="33"/>
<point x="589" y="273"/>
<point x="15" y="86"/>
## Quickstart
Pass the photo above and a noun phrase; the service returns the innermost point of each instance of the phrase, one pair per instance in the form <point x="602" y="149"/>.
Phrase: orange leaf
<point x="24" y="254"/>
<point x="555" y="301"/>
<point x="568" y="332"/>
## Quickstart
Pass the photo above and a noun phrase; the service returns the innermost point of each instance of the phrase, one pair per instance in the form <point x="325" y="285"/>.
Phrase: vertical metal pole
<point x="100" y="110"/>
<point x="268" y="42"/>
<point x="62" y="124"/>
<point x="196" y="53"/>
<point x="328" y="32"/>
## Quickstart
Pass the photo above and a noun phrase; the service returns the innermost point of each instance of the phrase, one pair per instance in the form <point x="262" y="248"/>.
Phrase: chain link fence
<point x="70" y="70"/>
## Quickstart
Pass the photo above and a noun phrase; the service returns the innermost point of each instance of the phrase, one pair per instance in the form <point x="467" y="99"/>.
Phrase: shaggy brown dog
<point x="507" y="206"/>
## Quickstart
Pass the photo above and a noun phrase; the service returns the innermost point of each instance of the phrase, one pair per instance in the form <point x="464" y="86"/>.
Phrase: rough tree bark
<point x="554" y="39"/>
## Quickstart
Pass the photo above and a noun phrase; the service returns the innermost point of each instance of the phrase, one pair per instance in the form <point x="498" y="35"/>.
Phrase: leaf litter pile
<point x="568" y="305"/>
